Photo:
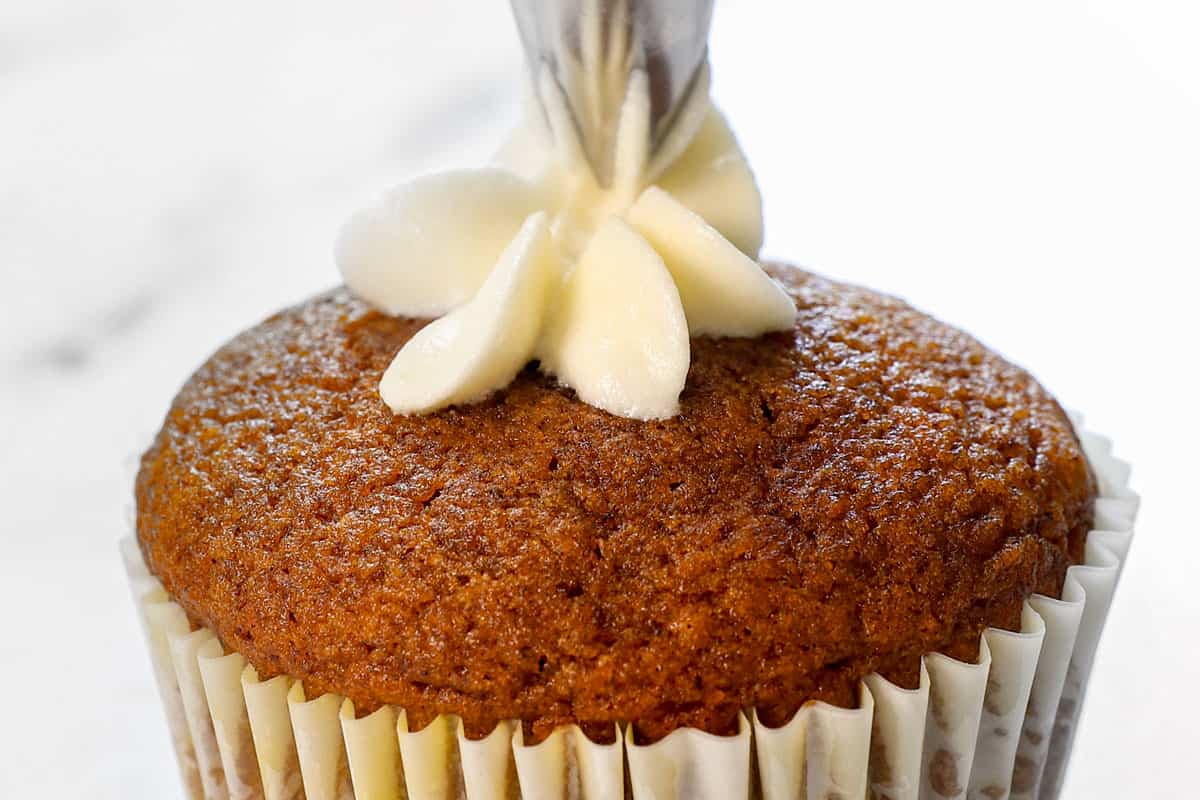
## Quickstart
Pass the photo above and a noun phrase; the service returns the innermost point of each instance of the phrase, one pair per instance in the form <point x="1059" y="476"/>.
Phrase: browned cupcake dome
<point x="830" y="502"/>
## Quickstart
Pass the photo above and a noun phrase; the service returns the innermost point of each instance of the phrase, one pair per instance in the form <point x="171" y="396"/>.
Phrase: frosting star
<point x="533" y="259"/>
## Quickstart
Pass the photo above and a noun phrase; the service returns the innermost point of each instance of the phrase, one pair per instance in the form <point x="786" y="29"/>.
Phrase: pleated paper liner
<point x="1000" y="727"/>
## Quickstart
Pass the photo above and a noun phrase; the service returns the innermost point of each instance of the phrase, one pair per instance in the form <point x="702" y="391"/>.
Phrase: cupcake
<point x="565" y="494"/>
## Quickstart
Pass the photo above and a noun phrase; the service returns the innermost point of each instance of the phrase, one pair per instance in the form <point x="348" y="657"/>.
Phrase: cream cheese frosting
<point x="535" y="258"/>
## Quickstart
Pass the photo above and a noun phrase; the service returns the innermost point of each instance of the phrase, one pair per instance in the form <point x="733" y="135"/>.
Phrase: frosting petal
<point x="617" y="334"/>
<point x="427" y="245"/>
<point x="481" y="346"/>
<point x="605" y="287"/>
<point x="712" y="178"/>
<point x="724" y="292"/>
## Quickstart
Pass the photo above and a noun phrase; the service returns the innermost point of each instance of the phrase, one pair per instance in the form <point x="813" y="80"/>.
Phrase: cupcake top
<point x="832" y="500"/>
<point x="619" y="219"/>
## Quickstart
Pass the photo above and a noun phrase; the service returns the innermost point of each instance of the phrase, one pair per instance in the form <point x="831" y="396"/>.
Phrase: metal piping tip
<point x="591" y="48"/>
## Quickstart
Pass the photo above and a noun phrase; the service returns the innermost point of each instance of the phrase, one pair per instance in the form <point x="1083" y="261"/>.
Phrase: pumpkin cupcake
<point x="565" y="493"/>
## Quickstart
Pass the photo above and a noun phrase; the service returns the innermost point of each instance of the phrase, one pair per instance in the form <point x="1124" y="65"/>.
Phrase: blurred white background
<point x="172" y="172"/>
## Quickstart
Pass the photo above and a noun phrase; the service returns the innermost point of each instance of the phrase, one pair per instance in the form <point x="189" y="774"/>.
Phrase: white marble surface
<point x="171" y="172"/>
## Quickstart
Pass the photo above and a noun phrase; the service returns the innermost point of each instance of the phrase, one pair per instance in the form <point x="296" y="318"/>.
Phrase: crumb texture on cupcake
<point x="829" y="502"/>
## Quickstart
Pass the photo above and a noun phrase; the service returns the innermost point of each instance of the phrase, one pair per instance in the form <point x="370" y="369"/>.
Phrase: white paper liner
<point x="1001" y="727"/>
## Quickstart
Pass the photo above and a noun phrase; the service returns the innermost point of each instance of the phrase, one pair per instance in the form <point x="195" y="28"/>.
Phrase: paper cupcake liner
<point x="999" y="727"/>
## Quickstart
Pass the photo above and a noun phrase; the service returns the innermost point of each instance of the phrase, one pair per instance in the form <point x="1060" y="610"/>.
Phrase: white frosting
<point x="536" y="258"/>
<point x="618" y="333"/>
<point x="723" y="290"/>
<point x="483" y="344"/>
<point x="428" y="245"/>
